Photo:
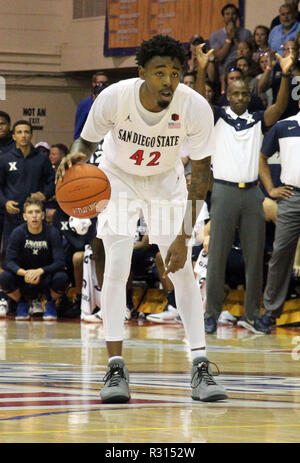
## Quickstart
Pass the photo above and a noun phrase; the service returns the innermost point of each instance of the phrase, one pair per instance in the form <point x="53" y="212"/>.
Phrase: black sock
<point x="129" y="302"/>
<point x="171" y="298"/>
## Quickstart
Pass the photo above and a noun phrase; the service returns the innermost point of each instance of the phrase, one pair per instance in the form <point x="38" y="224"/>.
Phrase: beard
<point x="163" y="104"/>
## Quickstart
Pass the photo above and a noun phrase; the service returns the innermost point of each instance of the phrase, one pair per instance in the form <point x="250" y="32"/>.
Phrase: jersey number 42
<point x="138" y="157"/>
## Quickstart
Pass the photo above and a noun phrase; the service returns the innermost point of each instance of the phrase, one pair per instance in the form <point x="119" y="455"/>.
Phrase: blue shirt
<point x="277" y="37"/>
<point x="28" y="250"/>
<point x="82" y="112"/>
<point x="20" y="176"/>
<point x="218" y="38"/>
<point x="7" y="144"/>
<point x="284" y="137"/>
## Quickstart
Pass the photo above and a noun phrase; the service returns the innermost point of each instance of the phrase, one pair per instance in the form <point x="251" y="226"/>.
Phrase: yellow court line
<point x="152" y="429"/>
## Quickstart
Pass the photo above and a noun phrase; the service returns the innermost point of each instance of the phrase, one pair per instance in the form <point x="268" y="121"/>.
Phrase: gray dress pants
<point x="281" y="263"/>
<point x="235" y="208"/>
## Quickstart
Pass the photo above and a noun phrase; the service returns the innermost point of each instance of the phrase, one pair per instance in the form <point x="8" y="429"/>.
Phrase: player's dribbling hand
<point x="176" y="255"/>
<point x="67" y="162"/>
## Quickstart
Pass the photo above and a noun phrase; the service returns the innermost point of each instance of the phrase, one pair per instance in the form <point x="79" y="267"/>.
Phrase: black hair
<point x="196" y="40"/>
<point x="22" y="122"/>
<point x="245" y="58"/>
<point x="230" y="5"/>
<point x="215" y="88"/>
<point x="62" y="148"/>
<point x="232" y="68"/>
<point x="160" y="45"/>
<point x="5" y="116"/>
<point x="98" y="73"/>
<point x="190" y="73"/>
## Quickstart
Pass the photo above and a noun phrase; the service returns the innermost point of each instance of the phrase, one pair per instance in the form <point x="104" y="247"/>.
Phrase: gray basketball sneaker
<point x="116" y="383"/>
<point x="204" y="387"/>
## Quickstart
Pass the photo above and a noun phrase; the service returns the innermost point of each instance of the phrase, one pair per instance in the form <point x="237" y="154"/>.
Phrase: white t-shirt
<point x="145" y="143"/>
<point x="238" y="142"/>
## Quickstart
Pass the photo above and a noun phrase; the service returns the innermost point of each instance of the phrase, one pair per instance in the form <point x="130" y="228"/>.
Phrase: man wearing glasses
<point x="286" y="30"/>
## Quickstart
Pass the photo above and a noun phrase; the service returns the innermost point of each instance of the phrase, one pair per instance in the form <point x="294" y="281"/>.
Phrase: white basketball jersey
<point x="140" y="148"/>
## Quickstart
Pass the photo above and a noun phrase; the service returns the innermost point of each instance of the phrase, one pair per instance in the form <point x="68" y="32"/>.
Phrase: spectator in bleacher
<point x="189" y="79"/>
<point x="244" y="49"/>
<point x="260" y="41"/>
<point x="83" y="108"/>
<point x="265" y="65"/>
<point x="246" y="65"/>
<point x="34" y="263"/>
<point x="24" y="171"/>
<point x="225" y="41"/>
<point x="210" y="92"/>
<point x="272" y="78"/>
<point x="191" y="61"/>
<point x="294" y="4"/>
<point x="43" y="147"/>
<point x="287" y="29"/>
<point x="57" y="152"/>
<point x="75" y="234"/>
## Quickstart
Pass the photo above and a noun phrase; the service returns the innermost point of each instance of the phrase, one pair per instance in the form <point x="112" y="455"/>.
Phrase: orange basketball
<point x="84" y="191"/>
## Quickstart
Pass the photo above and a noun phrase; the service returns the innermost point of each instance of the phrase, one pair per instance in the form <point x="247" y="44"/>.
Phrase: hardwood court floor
<point x="51" y="372"/>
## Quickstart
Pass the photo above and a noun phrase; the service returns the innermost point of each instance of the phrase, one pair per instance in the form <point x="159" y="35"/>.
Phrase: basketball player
<point x="145" y="121"/>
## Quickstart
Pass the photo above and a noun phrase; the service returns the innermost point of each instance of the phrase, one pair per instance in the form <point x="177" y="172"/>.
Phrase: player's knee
<point x="60" y="282"/>
<point x="8" y="282"/>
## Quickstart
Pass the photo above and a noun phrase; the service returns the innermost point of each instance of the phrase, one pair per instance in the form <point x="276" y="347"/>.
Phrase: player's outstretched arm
<point x="80" y="151"/>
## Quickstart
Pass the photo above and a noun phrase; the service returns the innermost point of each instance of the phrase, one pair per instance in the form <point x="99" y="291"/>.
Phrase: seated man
<point x="75" y="233"/>
<point x="34" y="263"/>
<point x="57" y="152"/>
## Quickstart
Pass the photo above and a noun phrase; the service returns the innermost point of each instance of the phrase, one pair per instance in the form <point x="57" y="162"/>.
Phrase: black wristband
<point x="285" y="75"/>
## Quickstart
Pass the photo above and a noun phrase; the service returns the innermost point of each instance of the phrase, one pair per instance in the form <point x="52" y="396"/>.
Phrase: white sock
<point x="116" y="357"/>
<point x="198" y="353"/>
